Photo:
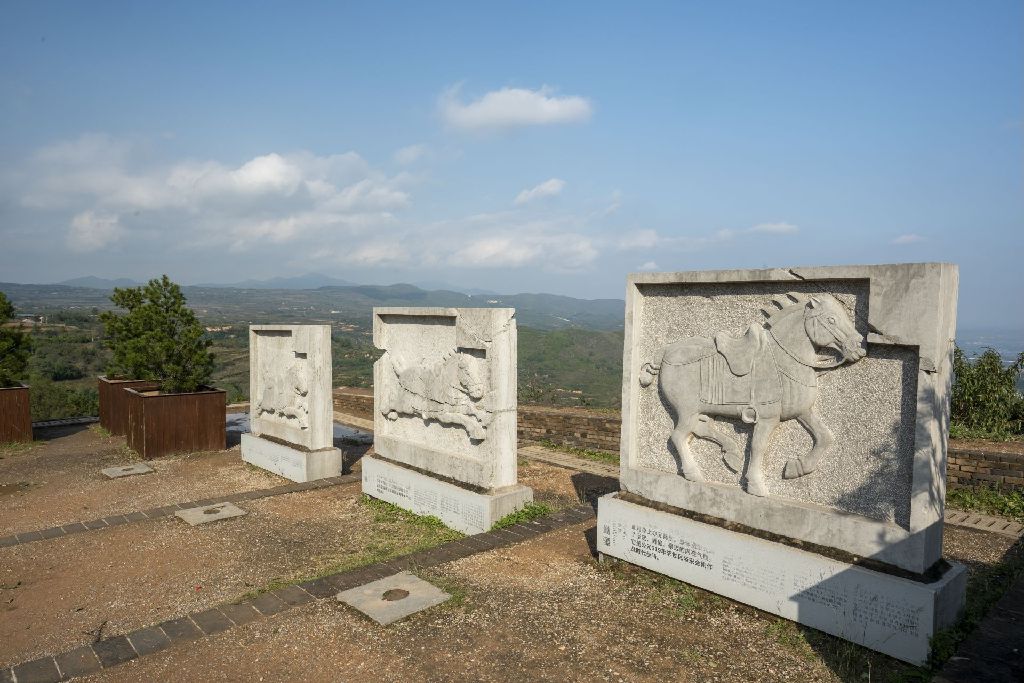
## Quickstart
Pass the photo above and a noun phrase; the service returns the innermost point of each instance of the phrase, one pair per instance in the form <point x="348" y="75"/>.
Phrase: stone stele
<point x="809" y="403"/>
<point x="290" y="412"/>
<point x="444" y="397"/>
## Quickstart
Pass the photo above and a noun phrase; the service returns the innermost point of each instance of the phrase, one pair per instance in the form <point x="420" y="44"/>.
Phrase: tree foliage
<point x="985" y="401"/>
<point x="15" y="347"/>
<point x="159" y="338"/>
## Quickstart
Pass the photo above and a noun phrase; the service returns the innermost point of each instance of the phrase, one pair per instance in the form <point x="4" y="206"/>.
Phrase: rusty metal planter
<point x="114" y="402"/>
<point x="159" y="424"/>
<point x="15" y="414"/>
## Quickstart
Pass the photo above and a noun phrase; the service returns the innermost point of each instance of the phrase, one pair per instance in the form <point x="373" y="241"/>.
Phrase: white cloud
<point x="549" y="188"/>
<point x="90" y="231"/>
<point x="775" y="228"/>
<point x="554" y="251"/>
<point x="512" y="108"/>
<point x="639" y="239"/>
<point x="909" y="238"/>
<point x="649" y="265"/>
<point x="406" y="156"/>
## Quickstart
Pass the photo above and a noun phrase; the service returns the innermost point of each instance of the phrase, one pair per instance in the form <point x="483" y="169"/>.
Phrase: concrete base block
<point x="890" y="614"/>
<point x="459" y="508"/>
<point x="291" y="463"/>
<point x="126" y="470"/>
<point x="210" y="513"/>
<point x="394" y="597"/>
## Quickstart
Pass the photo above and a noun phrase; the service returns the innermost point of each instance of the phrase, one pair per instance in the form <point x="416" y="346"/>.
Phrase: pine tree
<point x="159" y="338"/>
<point x="15" y="347"/>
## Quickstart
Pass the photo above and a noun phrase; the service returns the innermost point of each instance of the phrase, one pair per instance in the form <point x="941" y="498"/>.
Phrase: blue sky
<point x="515" y="147"/>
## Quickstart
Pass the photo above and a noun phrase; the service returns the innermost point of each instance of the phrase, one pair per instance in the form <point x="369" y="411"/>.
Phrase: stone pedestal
<point x="887" y="613"/>
<point x="291" y="463"/>
<point x="463" y="509"/>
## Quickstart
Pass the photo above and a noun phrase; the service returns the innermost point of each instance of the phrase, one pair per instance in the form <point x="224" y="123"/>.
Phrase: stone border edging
<point x="166" y="510"/>
<point x="89" y="659"/>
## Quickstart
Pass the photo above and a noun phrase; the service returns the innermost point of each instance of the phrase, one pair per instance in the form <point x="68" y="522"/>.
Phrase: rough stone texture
<point x="210" y="513"/>
<point x="464" y="510"/>
<point x="126" y="470"/>
<point x="291" y="463"/>
<point x="879" y="490"/>
<point x="887" y="613"/>
<point x="290" y="385"/>
<point x="445" y="392"/>
<point x="372" y="598"/>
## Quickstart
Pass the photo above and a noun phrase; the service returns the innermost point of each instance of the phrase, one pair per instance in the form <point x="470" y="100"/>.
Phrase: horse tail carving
<point x="648" y="371"/>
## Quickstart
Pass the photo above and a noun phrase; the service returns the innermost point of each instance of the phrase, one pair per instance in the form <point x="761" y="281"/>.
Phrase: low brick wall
<point x="597" y="431"/>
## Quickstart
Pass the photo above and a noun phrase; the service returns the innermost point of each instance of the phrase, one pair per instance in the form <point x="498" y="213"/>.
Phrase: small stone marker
<point x="394" y="597"/>
<point x="127" y="470"/>
<point x="210" y="513"/>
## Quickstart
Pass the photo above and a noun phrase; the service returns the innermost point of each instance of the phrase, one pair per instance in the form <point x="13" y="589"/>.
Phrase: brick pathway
<point x="89" y="659"/>
<point x="995" y="525"/>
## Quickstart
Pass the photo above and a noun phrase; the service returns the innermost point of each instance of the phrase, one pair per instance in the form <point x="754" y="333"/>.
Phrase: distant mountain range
<point x="92" y="282"/>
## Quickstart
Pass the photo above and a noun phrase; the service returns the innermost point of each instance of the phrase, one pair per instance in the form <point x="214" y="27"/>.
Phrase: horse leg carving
<point x="758" y="445"/>
<point x="731" y="454"/>
<point x="823" y="440"/>
<point x="680" y="438"/>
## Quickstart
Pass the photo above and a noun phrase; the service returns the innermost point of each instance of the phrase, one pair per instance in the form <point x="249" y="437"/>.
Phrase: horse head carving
<point x="766" y="376"/>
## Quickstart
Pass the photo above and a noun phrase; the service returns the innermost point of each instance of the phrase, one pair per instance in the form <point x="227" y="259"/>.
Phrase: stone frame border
<point x="909" y="305"/>
<point x="89" y="659"/>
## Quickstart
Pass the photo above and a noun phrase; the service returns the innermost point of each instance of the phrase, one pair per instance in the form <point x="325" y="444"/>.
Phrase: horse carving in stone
<point x="763" y="377"/>
<point x="450" y="390"/>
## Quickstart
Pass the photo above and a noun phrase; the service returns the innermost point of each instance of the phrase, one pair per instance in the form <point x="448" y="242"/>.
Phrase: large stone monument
<point x="444" y="396"/>
<point x="290" y="413"/>
<point x="784" y="444"/>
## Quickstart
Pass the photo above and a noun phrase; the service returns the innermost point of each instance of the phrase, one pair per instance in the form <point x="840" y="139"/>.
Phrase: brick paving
<point x="89" y="659"/>
<point x="995" y="525"/>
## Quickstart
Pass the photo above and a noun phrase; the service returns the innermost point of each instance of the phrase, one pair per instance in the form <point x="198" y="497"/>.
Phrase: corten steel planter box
<point x="114" y="402"/>
<point x="159" y="424"/>
<point x="15" y="414"/>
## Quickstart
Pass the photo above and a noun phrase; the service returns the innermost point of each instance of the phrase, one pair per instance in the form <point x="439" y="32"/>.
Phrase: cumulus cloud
<point x="549" y="188"/>
<point x="649" y="265"/>
<point x="509" y="108"/>
<point x="406" y="156"/>
<point x="909" y="238"/>
<point x="650" y="239"/>
<point x="91" y="231"/>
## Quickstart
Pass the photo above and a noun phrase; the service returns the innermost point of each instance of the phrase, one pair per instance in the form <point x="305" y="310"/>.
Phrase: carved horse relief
<point x="285" y="397"/>
<point x="450" y="391"/>
<point x="763" y="377"/>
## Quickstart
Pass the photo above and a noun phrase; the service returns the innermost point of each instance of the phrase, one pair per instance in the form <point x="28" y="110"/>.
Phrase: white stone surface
<point x="886" y="613"/>
<point x="127" y="470"/>
<point x="290" y="384"/>
<point x="394" y="597"/>
<point x="210" y="513"/>
<point x="291" y="463"/>
<point x="459" y="508"/>
<point x="445" y="392"/>
<point x="711" y="412"/>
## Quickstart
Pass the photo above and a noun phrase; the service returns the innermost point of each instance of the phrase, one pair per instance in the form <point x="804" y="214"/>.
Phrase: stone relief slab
<point x="445" y="392"/>
<point x="290" y="384"/>
<point x="808" y="402"/>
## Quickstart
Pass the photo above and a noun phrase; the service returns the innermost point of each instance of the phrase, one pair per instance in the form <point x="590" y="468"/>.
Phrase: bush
<point x="51" y="401"/>
<point x="14" y="347"/>
<point x="158" y="339"/>
<point x="985" y="401"/>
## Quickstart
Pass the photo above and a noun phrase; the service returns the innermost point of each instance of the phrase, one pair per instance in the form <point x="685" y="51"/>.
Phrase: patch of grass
<point x="588" y="453"/>
<point x="389" y="513"/>
<point x="790" y="636"/>
<point x="16" y="447"/>
<point x="530" y="512"/>
<point x="991" y="501"/>
<point x="678" y="596"/>
<point x="100" y="430"/>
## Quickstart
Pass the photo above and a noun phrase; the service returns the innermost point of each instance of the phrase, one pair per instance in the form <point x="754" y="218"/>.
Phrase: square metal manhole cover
<point x="127" y="470"/>
<point x="394" y="597"/>
<point x="210" y="513"/>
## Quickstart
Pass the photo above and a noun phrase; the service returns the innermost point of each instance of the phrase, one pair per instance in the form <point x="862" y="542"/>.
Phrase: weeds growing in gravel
<point x="100" y="430"/>
<point x="530" y="511"/>
<point x="15" y="447"/>
<point x="588" y="453"/>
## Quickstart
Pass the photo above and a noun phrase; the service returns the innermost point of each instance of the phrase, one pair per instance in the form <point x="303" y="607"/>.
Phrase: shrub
<point x="52" y="401"/>
<point x="985" y="402"/>
<point x="15" y="347"/>
<point x="159" y="338"/>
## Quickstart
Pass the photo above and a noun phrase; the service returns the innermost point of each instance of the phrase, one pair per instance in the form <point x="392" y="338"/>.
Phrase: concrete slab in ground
<point x="210" y="513"/>
<point x="394" y="597"/>
<point x="127" y="470"/>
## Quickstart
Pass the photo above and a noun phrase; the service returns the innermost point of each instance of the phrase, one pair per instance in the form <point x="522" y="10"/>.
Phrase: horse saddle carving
<point x="740" y="352"/>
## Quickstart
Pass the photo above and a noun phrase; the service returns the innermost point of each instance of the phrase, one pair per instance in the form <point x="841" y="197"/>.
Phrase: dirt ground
<point x="543" y="610"/>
